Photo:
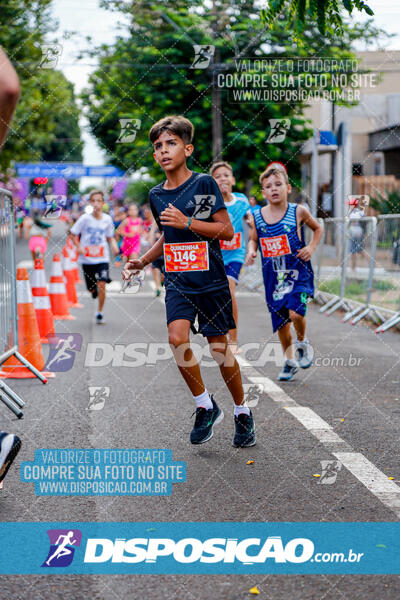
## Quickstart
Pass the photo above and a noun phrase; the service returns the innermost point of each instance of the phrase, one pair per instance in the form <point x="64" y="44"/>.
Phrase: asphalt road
<point x="347" y="406"/>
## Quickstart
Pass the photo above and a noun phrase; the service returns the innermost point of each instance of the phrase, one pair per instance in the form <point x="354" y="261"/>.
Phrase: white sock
<point x="203" y="400"/>
<point x="291" y="362"/>
<point x="243" y="408"/>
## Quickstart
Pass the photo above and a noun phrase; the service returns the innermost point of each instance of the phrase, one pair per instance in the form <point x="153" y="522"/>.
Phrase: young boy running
<point x="190" y="212"/>
<point x="91" y="235"/>
<point x="287" y="271"/>
<point x="234" y="251"/>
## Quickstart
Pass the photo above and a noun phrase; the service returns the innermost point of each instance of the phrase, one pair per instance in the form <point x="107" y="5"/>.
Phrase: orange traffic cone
<point x="57" y="293"/>
<point x="28" y="334"/>
<point x="74" y="255"/>
<point x="41" y="302"/>
<point x="69" y="274"/>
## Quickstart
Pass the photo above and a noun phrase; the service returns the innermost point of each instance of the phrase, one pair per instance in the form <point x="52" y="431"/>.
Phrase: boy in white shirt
<point x="92" y="234"/>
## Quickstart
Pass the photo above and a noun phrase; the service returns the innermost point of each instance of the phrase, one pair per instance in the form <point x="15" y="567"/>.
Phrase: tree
<point x="326" y="13"/>
<point x="138" y="191"/>
<point x="47" y="115"/>
<point x="147" y="75"/>
<point x="389" y="203"/>
<point x="65" y="142"/>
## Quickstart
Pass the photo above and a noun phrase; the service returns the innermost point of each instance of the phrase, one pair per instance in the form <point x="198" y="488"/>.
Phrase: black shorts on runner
<point x="95" y="273"/>
<point x="213" y="309"/>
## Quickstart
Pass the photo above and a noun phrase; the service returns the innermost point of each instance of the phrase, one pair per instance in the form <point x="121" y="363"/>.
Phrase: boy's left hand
<point x="305" y="253"/>
<point x="173" y="217"/>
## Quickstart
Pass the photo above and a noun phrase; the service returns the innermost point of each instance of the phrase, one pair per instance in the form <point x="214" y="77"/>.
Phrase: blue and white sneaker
<point x="304" y="354"/>
<point x="9" y="448"/>
<point x="100" y="319"/>
<point x="290" y="368"/>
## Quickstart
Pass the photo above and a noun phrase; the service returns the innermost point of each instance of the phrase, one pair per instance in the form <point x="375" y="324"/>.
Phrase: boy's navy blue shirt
<point x="198" y="197"/>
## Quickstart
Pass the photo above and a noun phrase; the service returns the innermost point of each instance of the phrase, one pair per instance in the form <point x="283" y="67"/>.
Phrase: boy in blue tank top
<point x="234" y="251"/>
<point x="286" y="264"/>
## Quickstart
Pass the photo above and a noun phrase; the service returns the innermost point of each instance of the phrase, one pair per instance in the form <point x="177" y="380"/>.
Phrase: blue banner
<point x="103" y="472"/>
<point x="200" y="548"/>
<point x="66" y="170"/>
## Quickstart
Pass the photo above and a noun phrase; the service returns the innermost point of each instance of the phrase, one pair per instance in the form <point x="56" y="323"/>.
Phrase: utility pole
<point x="333" y="159"/>
<point x="215" y="94"/>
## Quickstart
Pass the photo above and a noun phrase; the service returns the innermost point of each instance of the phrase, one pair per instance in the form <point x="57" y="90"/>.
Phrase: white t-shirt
<point x="94" y="234"/>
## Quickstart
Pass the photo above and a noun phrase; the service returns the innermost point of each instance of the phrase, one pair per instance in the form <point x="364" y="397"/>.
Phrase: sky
<point x="86" y="18"/>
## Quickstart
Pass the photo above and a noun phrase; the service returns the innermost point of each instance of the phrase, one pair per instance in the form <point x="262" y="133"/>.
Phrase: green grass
<point x="354" y="289"/>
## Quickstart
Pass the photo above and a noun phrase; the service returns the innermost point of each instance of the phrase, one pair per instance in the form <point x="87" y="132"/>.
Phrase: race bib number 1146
<point x="191" y="256"/>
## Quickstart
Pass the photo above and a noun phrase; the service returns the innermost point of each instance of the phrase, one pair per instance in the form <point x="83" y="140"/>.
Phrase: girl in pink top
<point x="131" y="230"/>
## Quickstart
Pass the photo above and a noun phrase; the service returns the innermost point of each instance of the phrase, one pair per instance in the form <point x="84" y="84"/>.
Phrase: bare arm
<point x="77" y="242"/>
<point x="155" y="252"/>
<point x="252" y="244"/>
<point x="220" y="229"/>
<point x="140" y="263"/>
<point x="10" y="90"/>
<point x="248" y="217"/>
<point x="113" y="244"/>
<point x="306" y="218"/>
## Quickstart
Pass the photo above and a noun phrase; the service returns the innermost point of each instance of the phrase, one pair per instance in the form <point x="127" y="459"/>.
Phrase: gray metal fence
<point x="387" y="270"/>
<point x="8" y="301"/>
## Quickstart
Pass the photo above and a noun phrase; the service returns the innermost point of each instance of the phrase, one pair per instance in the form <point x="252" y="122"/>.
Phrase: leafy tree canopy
<point x="327" y="14"/>
<point x="147" y="74"/>
<point x="45" y="125"/>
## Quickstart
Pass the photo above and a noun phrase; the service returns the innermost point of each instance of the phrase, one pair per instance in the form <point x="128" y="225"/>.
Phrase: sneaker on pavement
<point x="205" y="420"/>
<point x="245" y="434"/>
<point x="9" y="448"/>
<point x="288" y="371"/>
<point x="304" y="354"/>
<point x="100" y="319"/>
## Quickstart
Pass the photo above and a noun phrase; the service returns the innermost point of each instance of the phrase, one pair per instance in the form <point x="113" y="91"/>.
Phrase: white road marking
<point x="365" y="471"/>
<point x="373" y="479"/>
<point x="358" y="465"/>
<point x="114" y="286"/>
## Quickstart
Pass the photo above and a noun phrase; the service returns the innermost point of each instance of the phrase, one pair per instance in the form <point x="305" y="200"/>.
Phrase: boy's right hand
<point x="132" y="265"/>
<point x="250" y="258"/>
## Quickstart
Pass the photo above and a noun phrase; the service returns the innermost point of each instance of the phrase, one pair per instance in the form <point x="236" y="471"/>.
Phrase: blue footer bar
<point x="199" y="548"/>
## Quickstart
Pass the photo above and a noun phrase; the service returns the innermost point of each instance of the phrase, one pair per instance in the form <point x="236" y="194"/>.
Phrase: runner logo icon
<point x="62" y="351"/>
<point x="62" y="547"/>
<point x="203" y="56"/>
<point x="204" y="204"/>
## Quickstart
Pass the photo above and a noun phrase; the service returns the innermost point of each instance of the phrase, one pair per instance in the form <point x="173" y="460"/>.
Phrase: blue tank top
<point x="283" y="273"/>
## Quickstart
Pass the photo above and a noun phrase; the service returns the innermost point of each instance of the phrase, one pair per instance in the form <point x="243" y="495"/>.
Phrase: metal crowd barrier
<point x="346" y="241"/>
<point x="387" y="293"/>
<point x="8" y="301"/>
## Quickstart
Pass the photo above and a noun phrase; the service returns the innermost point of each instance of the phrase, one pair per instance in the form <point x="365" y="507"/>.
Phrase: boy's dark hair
<point x="274" y="169"/>
<point x="220" y="163"/>
<point x="176" y="124"/>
